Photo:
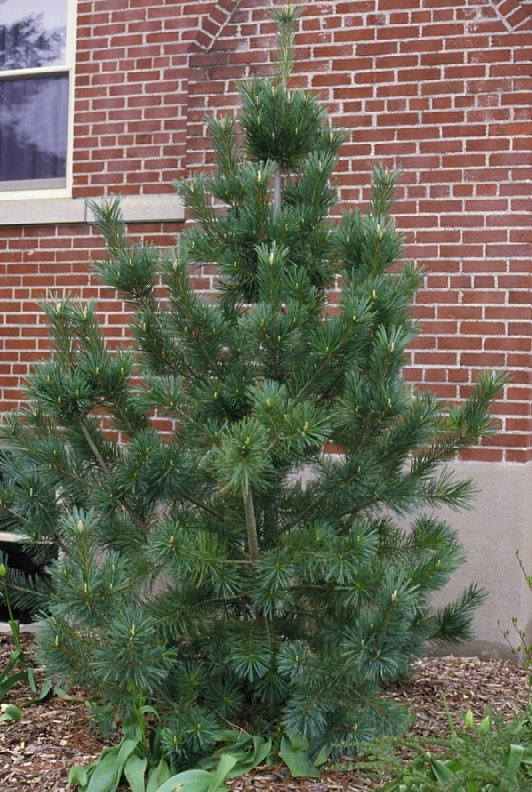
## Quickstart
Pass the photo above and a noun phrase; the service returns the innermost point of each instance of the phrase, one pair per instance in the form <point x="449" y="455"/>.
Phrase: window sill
<point x="164" y="208"/>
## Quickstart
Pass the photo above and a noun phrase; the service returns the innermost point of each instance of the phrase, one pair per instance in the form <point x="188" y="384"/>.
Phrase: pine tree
<point x="271" y="561"/>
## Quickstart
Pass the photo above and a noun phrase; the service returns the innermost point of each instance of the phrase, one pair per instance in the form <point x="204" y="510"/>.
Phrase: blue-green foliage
<point x="269" y="561"/>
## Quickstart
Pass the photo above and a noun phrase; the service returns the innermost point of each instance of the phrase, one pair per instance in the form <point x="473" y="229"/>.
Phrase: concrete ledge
<point x="500" y="524"/>
<point x="164" y="208"/>
<point x="42" y="211"/>
<point x="145" y="208"/>
<point x="32" y="627"/>
<point x="10" y="537"/>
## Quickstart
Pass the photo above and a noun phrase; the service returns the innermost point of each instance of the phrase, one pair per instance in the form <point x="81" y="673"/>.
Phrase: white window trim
<point x="69" y="68"/>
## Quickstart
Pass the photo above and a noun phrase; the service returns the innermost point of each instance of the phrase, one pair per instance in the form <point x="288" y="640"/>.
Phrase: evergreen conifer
<point x="271" y="561"/>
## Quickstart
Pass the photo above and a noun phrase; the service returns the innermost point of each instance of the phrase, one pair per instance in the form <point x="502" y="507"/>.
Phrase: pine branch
<point x="297" y="622"/>
<point x="107" y="472"/>
<point x="277" y="193"/>
<point x="251" y="526"/>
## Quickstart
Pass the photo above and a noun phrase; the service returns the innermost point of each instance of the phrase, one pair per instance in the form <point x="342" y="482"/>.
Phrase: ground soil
<point x="37" y="752"/>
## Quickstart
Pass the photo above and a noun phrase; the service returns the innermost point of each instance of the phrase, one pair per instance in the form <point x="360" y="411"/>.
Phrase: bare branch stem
<point x="251" y="526"/>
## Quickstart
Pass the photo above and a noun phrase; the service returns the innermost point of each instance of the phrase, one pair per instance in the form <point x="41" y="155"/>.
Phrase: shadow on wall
<point x="499" y="525"/>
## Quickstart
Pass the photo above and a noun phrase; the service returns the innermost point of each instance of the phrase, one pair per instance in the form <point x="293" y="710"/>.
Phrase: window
<point x="36" y="78"/>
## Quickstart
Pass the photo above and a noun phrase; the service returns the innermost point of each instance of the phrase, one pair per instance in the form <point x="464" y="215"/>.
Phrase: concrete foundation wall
<point x="500" y="524"/>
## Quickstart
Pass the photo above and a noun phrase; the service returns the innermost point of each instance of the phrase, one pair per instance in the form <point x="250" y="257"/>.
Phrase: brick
<point x="458" y="343"/>
<point x="455" y="112"/>
<point x="514" y="455"/>
<point x="482" y="360"/>
<point x="443" y="87"/>
<point x="482" y="454"/>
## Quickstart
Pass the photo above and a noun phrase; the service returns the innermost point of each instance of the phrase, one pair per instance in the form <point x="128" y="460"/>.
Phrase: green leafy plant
<point x="301" y="757"/>
<point x="10" y="712"/>
<point x="488" y="757"/>
<point x="247" y="563"/>
<point x="523" y="649"/>
<point x="135" y="758"/>
<point x="16" y="669"/>
<point x="138" y="760"/>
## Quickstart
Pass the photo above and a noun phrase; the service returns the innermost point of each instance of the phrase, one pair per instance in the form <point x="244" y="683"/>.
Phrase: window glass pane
<point x="33" y="128"/>
<point x="32" y="33"/>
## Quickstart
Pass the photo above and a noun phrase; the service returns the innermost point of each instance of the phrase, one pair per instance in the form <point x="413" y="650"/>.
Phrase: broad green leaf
<point x="79" y="775"/>
<point x="63" y="695"/>
<point x="188" y="781"/>
<point x="230" y="736"/>
<point x="134" y="771"/>
<point x="103" y="776"/>
<point x="515" y="755"/>
<point x="11" y="681"/>
<point x="442" y="773"/>
<point x="132" y="729"/>
<point x="298" y="741"/>
<point x="10" y="712"/>
<point x="14" y="657"/>
<point x="248" y="751"/>
<point x="396" y="786"/>
<point x="298" y="762"/>
<point x="46" y="689"/>
<point x="321" y="756"/>
<point x="227" y="763"/>
<point x="147" y="709"/>
<point x="31" y="681"/>
<point x="250" y="759"/>
<point x="454" y="765"/>
<point x="125" y="749"/>
<point x="158" y="775"/>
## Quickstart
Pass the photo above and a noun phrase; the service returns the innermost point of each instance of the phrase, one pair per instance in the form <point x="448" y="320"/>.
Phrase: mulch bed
<point x="37" y="752"/>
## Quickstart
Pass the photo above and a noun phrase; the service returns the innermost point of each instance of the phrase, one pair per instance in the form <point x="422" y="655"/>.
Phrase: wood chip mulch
<point x="37" y="752"/>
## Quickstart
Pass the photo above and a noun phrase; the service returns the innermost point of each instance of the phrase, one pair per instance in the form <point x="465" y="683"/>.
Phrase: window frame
<point x="15" y="193"/>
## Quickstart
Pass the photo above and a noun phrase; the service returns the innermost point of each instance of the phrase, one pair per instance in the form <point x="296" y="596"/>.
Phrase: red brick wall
<point x="131" y="90"/>
<point x="443" y="89"/>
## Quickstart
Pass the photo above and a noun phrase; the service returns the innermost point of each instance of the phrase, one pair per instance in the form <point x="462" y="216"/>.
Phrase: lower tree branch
<point x="103" y="465"/>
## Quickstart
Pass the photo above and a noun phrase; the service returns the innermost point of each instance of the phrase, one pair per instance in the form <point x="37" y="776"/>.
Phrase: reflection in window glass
<point x="33" y="128"/>
<point x="32" y="33"/>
